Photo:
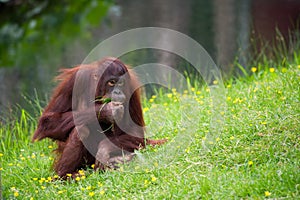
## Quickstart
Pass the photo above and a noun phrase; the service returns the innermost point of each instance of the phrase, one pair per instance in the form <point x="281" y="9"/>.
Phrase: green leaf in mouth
<point x="102" y="100"/>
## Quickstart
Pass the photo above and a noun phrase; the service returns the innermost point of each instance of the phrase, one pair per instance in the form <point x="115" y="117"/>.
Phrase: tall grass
<point x="276" y="52"/>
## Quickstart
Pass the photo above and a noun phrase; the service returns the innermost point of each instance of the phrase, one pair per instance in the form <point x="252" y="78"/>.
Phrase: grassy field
<point x="256" y="154"/>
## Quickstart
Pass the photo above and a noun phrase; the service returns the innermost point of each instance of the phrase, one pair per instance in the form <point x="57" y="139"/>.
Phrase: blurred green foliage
<point x="33" y="29"/>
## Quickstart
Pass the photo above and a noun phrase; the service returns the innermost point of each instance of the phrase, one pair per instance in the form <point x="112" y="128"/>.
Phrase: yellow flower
<point x="267" y="193"/>
<point x="228" y="86"/>
<point x="144" y="110"/>
<point x="16" y="193"/>
<point x="100" y="184"/>
<point x="298" y="66"/>
<point x="91" y="194"/>
<point x="250" y="163"/>
<point x="77" y="178"/>
<point x="50" y="146"/>
<point x="228" y="98"/>
<point x="43" y="187"/>
<point x="253" y="69"/>
<point x="272" y="69"/>
<point x="218" y="139"/>
<point x="60" y="192"/>
<point x="153" y="96"/>
<point x="55" y="176"/>
<point x="232" y="137"/>
<point x="283" y="70"/>
<point x="215" y="82"/>
<point x="83" y="177"/>
<point x="198" y="92"/>
<point x="89" y="187"/>
<point x="1" y="154"/>
<point x="187" y="150"/>
<point x="1" y="168"/>
<point x="200" y="102"/>
<point x="102" y="192"/>
<point x="81" y="172"/>
<point x="169" y="95"/>
<point x="151" y="100"/>
<point x="153" y="179"/>
<point x="93" y="166"/>
<point x="69" y="175"/>
<point x="236" y="100"/>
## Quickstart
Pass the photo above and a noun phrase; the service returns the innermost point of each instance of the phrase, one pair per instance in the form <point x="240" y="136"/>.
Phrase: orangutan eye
<point x="111" y="83"/>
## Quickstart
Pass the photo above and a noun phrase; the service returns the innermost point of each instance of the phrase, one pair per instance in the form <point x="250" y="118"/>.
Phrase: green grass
<point x="256" y="154"/>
